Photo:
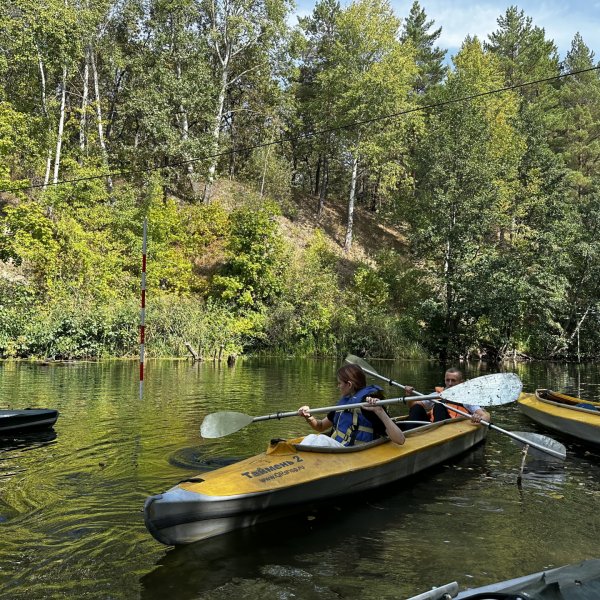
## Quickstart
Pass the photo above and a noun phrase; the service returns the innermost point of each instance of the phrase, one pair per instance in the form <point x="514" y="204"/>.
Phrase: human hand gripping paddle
<point x="488" y="390"/>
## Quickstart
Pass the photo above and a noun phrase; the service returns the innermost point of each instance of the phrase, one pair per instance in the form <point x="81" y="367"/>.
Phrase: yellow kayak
<point x="566" y="414"/>
<point x="288" y="475"/>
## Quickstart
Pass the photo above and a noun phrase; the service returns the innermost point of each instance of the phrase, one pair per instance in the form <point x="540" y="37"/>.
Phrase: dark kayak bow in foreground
<point x="28" y="419"/>
<point x="572" y="582"/>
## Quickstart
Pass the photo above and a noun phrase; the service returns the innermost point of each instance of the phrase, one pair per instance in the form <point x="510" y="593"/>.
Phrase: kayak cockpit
<point x="283" y="446"/>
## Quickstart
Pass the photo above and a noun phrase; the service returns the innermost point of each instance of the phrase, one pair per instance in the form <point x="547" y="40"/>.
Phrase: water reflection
<point x="544" y="475"/>
<point x="27" y="441"/>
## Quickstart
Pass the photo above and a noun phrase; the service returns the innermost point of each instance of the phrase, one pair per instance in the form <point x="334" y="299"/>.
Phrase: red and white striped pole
<point x="143" y="308"/>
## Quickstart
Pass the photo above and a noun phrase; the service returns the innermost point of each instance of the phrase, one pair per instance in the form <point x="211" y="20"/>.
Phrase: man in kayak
<point x="426" y="410"/>
<point x="357" y="426"/>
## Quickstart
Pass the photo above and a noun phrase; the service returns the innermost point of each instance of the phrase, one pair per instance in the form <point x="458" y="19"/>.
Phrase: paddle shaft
<point x="392" y="382"/>
<point x="465" y="414"/>
<point x="338" y="407"/>
<point x="508" y="433"/>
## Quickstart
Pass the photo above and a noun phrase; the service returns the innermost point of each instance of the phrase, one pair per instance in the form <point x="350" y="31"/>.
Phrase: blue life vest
<point x="351" y="426"/>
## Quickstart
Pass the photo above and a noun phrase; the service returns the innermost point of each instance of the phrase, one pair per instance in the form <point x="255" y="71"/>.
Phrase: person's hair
<point x="353" y="374"/>
<point x="456" y="372"/>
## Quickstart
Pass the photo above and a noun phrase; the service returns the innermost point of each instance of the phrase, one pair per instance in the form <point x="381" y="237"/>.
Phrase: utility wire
<point x="127" y="172"/>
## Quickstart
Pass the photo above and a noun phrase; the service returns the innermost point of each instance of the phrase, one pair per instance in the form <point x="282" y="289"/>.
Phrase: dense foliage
<point x="217" y="120"/>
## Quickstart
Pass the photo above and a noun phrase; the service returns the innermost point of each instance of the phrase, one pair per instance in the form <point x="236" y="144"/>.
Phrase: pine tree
<point x="523" y="50"/>
<point x="579" y="146"/>
<point x="429" y="59"/>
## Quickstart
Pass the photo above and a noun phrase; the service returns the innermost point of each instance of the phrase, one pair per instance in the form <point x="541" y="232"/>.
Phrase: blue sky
<point x="458" y="18"/>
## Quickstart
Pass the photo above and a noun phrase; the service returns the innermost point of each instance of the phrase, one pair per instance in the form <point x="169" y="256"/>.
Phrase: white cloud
<point x="458" y="19"/>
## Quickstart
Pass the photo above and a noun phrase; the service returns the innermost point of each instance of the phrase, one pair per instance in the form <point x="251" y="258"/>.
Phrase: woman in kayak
<point x="357" y="426"/>
<point x="426" y="410"/>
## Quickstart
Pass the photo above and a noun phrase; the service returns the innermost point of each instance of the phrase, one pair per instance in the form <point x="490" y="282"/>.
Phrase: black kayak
<point x="572" y="582"/>
<point x="29" y="419"/>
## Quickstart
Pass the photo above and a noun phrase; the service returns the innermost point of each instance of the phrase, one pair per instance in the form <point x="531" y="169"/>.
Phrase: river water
<point x="71" y="522"/>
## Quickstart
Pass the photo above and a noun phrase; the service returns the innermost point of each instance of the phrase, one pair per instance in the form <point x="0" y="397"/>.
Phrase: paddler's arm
<point x="318" y="425"/>
<point x="480" y="414"/>
<point x="394" y="432"/>
<point x="409" y="391"/>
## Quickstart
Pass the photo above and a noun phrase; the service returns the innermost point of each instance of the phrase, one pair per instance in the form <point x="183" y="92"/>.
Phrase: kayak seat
<point x="586" y="406"/>
<point x="377" y="442"/>
<point x="342" y="450"/>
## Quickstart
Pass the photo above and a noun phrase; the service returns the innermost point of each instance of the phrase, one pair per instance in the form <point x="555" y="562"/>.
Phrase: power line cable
<point x="129" y="172"/>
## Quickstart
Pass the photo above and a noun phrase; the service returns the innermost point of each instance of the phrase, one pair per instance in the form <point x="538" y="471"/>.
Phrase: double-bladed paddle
<point x="505" y="387"/>
<point x="488" y="390"/>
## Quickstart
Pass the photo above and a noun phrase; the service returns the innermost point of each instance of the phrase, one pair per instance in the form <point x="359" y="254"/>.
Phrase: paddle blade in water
<point x="220" y="424"/>
<point x="488" y="390"/>
<point x="558" y="450"/>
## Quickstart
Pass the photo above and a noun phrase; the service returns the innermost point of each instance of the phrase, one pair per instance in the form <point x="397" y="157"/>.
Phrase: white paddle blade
<point x="488" y="390"/>
<point x="222" y="423"/>
<point x="557" y="450"/>
<point x="357" y="360"/>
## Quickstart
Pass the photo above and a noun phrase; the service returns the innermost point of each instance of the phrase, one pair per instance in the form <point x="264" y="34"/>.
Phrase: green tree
<point x="429" y="59"/>
<point x="244" y="39"/>
<point x="165" y="90"/>
<point x="523" y="51"/>
<point x="314" y="105"/>
<point x="467" y="168"/>
<point x="251" y="278"/>
<point x="369" y="76"/>
<point x="579" y="145"/>
<point x="538" y="210"/>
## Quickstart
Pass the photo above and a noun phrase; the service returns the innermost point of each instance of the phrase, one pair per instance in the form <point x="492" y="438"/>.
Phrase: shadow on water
<point x="196" y="457"/>
<point x="201" y="569"/>
<point x="27" y="441"/>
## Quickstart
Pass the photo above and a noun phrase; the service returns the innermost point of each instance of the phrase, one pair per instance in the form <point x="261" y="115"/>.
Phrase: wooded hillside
<point x="329" y="187"/>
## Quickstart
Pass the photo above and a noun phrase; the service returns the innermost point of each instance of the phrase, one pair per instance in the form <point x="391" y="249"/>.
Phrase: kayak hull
<point x="288" y="476"/>
<point x="560" y="413"/>
<point x="579" y="581"/>
<point x="29" y="419"/>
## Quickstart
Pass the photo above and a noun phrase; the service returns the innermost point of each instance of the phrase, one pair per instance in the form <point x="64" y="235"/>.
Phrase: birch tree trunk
<point x="349" y="227"/>
<point x="101" y="140"/>
<point x="264" y="173"/>
<point x="84" y="102"/>
<point x="449" y="261"/>
<point x="185" y="133"/>
<point x="217" y="126"/>
<point x="236" y="27"/>
<point x="45" y="112"/>
<point x="61" y="125"/>
<point x="324" y="185"/>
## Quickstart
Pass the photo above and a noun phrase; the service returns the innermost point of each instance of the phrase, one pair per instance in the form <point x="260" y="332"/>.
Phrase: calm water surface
<point x="71" y="523"/>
